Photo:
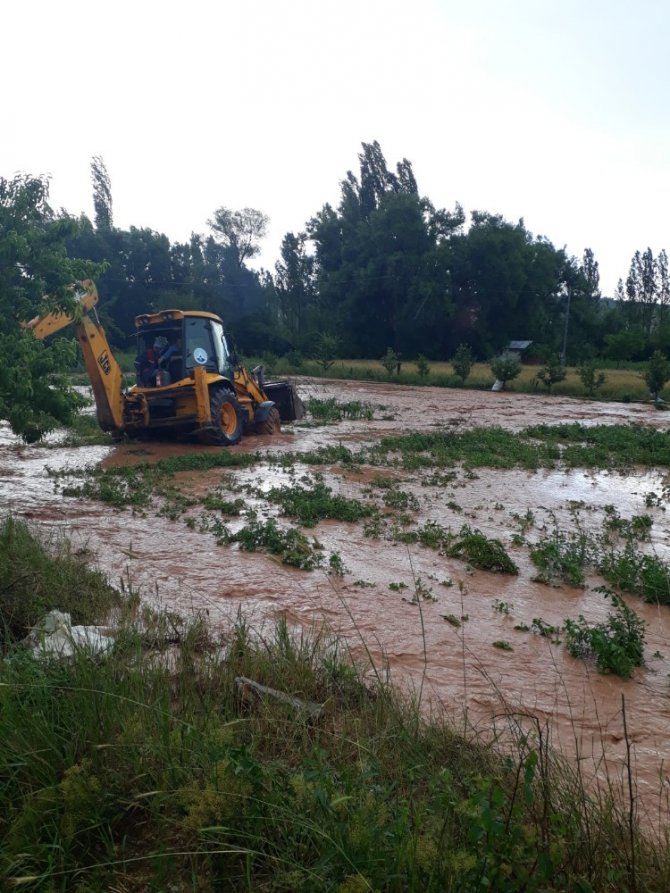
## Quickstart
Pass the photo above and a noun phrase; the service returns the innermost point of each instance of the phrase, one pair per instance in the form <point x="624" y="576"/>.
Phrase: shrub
<point x="391" y="361"/>
<point x="658" y="372"/>
<point x="422" y="366"/>
<point x="325" y="350"/>
<point x="479" y="551"/>
<point x="617" y="644"/>
<point x="552" y="373"/>
<point x="462" y="361"/>
<point x="505" y="367"/>
<point x="590" y="378"/>
<point x="560" y="559"/>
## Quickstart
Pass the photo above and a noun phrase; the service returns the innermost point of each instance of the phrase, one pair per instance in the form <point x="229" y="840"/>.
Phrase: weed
<point x="432" y="535"/>
<point x="503" y="645"/>
<point x="502" y="607"/>
<point x="291" y="545"/>
<point x="525" y="522"/>
<point x="336" y="565"/>
<point x="400" y="500"/>
<point x="422" y="592"/>
<point x="604" y="446"/>
<point x="452" y="619"/>
<point x="216" y="502"/>
<point x="636" y="529"/>
<point x="480" y="551"/>
<point x="396" y="587"/>
<point x="36" y="579"/>
<point x="546" y="630"/>
<point x="643" y="575"/>
<point x="617" y="644"/>
<point x="561" y="559"/>
<point x="310" y="504"/>
<point x="332" y="410"/>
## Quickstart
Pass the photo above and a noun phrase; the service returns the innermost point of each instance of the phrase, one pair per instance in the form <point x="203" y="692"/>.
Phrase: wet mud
<point x="373" y="604"/>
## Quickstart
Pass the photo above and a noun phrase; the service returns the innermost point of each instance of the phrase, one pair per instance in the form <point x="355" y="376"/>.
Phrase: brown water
<point x="457" y="668"/>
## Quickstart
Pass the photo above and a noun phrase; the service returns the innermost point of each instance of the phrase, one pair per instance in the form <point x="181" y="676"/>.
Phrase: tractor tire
<point x="271" y="424"/>
<point x="227" y="420"/>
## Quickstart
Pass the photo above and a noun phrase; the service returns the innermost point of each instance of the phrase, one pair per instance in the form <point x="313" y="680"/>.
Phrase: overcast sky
<point x="551" y="110"/>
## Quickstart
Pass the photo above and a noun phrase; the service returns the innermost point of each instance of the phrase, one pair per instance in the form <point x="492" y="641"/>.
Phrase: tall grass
<point x="161" y="768"/>
<point x="621" y="384"/>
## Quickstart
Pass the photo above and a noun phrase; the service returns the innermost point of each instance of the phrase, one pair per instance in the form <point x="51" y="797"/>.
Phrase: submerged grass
<point x="148" y="772"/>
<point x="539" y="446"/>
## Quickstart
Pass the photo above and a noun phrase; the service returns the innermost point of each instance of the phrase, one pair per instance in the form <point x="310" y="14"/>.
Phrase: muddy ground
<point x="456" y="668"/>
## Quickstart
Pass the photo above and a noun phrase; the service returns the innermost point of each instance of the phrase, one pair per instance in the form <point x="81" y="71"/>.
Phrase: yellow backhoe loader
<point x="189" y="382"/>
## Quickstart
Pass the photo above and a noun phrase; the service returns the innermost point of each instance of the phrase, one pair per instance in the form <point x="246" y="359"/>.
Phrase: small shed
<point x="518" y="346"/>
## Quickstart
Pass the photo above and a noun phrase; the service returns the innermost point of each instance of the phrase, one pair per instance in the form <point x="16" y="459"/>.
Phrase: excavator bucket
<point x="286" y="399"/>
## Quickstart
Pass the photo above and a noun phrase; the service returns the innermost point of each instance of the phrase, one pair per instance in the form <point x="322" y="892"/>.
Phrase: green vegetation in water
<point x="539" y="446"/>
<point x="135" y="486"/>
<point x="217" y="502"/>
<point x="476" y="448"/>
<point x="604" y="446"/>
<point x="83" y="430"/>
<point x="291" y="545"/>
<point x="345" y="788"/>
<point x="616" y="644"/>
<point x="334" y="454"/>
<point x="546" y="630"/>
<point x="452" y="619"/>
<point x="480" y="551"/>
<point x="503" y="645"/>
<point x="561" y="559"/>
<point x="332" y="410"/>
<point x="316" y="502"/>
<point x="631" y="571"/>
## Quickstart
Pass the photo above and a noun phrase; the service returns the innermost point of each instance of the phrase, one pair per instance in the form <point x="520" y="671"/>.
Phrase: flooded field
<point x="429" y="620"/>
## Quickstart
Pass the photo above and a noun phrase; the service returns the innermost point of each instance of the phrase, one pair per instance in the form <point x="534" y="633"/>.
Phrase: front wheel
<point x="227" y="420"/>
<point x="271" y="424"/>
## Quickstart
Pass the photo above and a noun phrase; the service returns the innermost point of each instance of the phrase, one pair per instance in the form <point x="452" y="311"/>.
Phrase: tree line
<point x="382" y="270"/>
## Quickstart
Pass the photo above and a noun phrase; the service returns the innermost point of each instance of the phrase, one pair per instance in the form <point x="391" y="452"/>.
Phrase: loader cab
<point x="194" y="339"/>
<point x="205" y="345"/>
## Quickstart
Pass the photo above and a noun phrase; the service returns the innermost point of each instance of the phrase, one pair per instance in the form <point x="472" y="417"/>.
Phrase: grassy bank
<point x="621" y="384"/>
<point x="624" y="384"/>
<point x="165" y="767"/>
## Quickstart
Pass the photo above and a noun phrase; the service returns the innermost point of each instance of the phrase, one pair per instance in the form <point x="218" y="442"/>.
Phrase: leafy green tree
<point x="590" y="377"/>
<point x="658" y="372"/>
<point x="326" y="350"/>
<point x="34" y="396"/>
<point x="624" y="346"/>
<point x="462" y="361"/>
<point x="552" y="373"/>
<point x="294" y="287"/>
<point x="102" y="194"/>
<point x="391" y="361"/>
<point x="376" y="263"/>
<point x="506" y="367"/>
<point x="239" y="231"/>
<point x="422" y="366"/>
<point x="504" y="284"/>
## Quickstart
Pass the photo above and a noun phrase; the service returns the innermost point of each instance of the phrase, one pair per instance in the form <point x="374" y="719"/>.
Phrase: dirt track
<point x="457" y="667"/>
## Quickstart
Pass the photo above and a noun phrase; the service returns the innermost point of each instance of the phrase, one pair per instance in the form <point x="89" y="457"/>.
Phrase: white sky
<point x="551" y="110"/>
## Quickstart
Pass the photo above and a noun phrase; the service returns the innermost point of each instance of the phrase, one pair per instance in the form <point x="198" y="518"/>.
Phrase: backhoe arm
<point x="42" y="326"/>
<point x="103" y="371"/>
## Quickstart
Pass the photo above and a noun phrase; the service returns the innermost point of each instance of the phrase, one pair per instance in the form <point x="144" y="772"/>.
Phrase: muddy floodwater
<point x="374" y="603"/>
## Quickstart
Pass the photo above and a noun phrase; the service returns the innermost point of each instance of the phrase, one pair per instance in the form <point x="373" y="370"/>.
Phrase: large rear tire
<point x="271" y="424"/>
<point x="227" y="421"/>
